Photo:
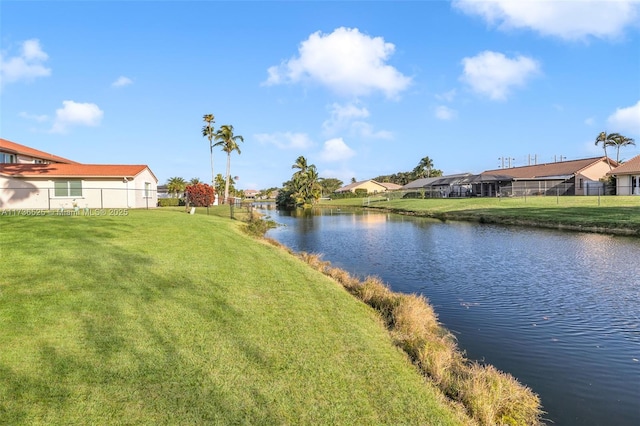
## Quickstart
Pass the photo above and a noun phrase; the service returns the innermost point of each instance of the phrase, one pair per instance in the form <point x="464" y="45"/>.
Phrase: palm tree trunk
<point x="213" y="177"/>
<point x="226" y="183"/>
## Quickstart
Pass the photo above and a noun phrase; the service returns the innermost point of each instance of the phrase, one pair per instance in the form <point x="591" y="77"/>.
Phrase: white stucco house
<point x="628" y="177"/>
<point x="33" y="179"/>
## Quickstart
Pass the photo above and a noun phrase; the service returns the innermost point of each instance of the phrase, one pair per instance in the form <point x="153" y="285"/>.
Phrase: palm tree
<point x="229" y="143"/>
<point x="301" y="165"/>
<point x="619" y="141"/>
<point x="424" y="166"/>
<point x="176" y="185"/>
<point x="195" y="181"/>
<point x="207" y="131"/>
<point x="605" y="139"/>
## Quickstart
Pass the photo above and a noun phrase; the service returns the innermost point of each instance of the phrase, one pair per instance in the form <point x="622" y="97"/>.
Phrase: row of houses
<point x="574" y="177"/>
<point x="32" y="179"/>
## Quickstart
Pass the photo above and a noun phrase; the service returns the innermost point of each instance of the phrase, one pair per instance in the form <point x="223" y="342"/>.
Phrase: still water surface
<point x="559" y="311"/>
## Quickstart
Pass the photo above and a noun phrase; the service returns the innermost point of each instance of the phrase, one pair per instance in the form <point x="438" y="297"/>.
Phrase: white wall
<point x="38" y="193"/>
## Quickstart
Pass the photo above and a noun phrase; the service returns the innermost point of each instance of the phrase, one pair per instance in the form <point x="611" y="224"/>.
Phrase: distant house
<point x="33" y="179"/>
<point x="370" y="186"/>
<point x="250" y="194"/>
<point x="627" y="177"/>
<point x="457" y="185"/>
<point x="574" y="177"/>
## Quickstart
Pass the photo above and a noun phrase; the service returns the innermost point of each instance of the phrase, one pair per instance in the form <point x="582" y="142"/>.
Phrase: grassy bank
<point x="610" y="214"/>
<point x="161" y="317"/>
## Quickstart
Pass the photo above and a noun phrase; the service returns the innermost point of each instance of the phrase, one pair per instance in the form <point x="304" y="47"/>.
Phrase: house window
<point x="147" y="189"/>
<point x="7" y="158"/>
<point x="67" y="188"/>
<point x="580" y="184"/>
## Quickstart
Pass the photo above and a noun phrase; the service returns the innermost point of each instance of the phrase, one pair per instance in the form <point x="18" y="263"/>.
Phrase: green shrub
<point x="168" y="202"/>
<point x="258" y="226"/>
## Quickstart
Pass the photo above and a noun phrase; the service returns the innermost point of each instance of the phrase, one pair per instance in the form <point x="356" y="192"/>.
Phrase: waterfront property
<point x="370" y="186"/>
<point x="574" y="177"/>
<point x="628" y="177"/>
<point x="33" y="179"/>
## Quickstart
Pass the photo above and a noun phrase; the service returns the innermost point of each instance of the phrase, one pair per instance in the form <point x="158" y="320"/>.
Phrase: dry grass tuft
<point x="348" y="281"/>
<point x="315" y="261"/>
<point x="493" y="397"/>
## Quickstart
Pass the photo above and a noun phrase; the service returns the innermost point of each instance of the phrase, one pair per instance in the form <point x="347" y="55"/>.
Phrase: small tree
<point x="200" y="194"/>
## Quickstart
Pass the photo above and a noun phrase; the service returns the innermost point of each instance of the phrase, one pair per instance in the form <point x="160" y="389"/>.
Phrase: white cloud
<point x="493" y="74"/>
<point x="626" y="120"/>
<point x="447" y="96"/>
<point x="349" y="117"/>
<point x="590" y="121"/>
<point x="336" y="150"/>
<point x="285" y="140"/>
<point x="569" y="19"/>
<point x="364" y="129"/>
<point x="346" y="61"/>
<point x="76" y="114"/>
<point x="122" y="81"/>
<point x="445" y="113"/>
<point x="342" y="116"/>
<point x="34" y="117"/>
<point x="27" y="66"/>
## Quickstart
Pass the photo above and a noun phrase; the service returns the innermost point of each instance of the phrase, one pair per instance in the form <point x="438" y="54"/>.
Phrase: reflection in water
<point x="560" y="311"/>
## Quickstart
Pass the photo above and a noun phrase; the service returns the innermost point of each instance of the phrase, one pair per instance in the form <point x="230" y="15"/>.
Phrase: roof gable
<point x="628" y="167"/>
<point x="117" y="171"/>
<point x="561" y="168"/>
<point x="16" y="148"/>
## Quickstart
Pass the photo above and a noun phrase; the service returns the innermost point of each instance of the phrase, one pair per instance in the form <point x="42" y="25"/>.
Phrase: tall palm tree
<point x="229" y="143"/>
<point x="425" y="165"/>
<point x="207" y="131"/>
<point x="605" y="139"/>
<point x="619" y="141"/>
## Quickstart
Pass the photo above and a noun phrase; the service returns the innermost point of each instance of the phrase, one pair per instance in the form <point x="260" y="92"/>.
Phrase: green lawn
<point x="161" y="317"/>
<point x="591" y="213"/>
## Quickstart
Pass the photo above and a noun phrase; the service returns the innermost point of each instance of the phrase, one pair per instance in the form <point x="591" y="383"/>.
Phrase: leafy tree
<point x="423" y="169"/>
<point x="620" y="141"/>
<point x="208" y="132"/>
<point x="353" y="180"/>
<point x="200" y="194"/>
<point x="267" y="193"/>
<point x="221" y="183"/>
<point x="304" y="188"/>
<point x="176" y="185"/>
<point x="229" y="143"/>
<point x="329" y="185"/>
<point x="194" y="181"/>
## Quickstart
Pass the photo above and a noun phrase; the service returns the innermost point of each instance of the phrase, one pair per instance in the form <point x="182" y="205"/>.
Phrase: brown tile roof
<point x="389" y="185"/>
<point x="628" y="167"/>
<point x="562" y="168"/>
<point x="16" y="148"/>
<point x="72" y="170"/>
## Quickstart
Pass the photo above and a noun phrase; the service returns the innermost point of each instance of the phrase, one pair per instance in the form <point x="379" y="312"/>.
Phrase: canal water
<point x="560" y="311"/>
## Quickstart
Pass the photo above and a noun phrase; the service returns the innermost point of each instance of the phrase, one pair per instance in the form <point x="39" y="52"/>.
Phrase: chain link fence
<point x="77" y="198"/>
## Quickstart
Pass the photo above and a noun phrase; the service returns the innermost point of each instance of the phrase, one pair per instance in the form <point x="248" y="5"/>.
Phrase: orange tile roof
<point x="549" y="169"/>
<point x="72" y="170"/>
<point x="16" y="148"/>
<point x="628" y="167"/>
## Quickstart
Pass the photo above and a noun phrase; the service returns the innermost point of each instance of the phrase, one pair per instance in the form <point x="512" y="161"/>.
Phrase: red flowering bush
<point x="200" y="194"/>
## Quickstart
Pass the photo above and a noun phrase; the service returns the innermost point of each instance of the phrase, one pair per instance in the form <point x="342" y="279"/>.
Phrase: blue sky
<point x="360" y="89"/>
